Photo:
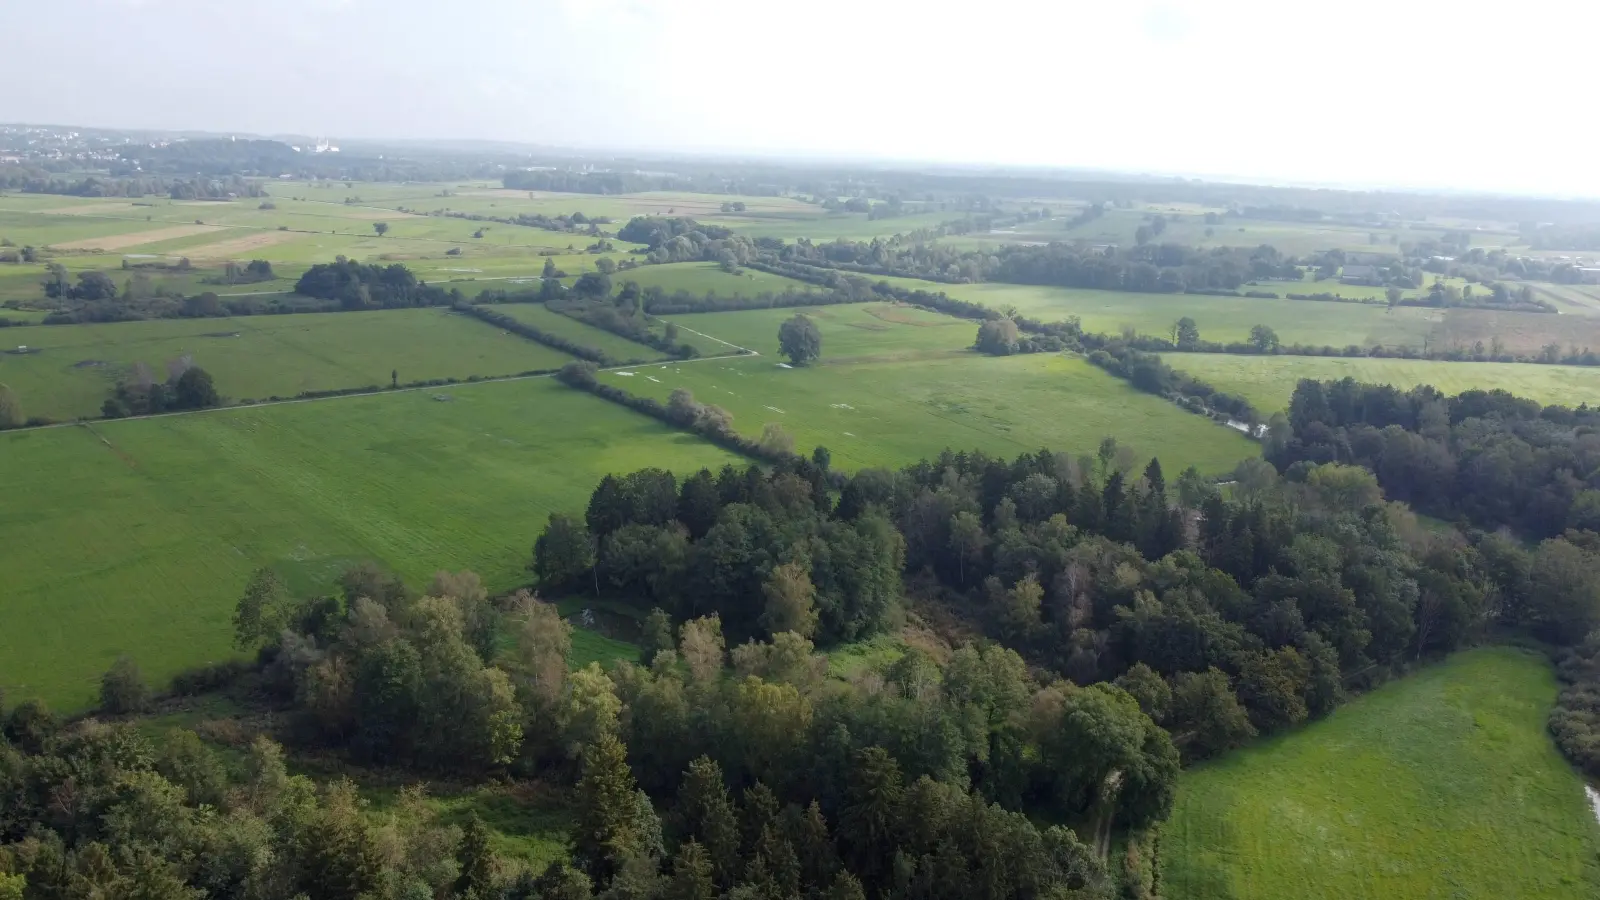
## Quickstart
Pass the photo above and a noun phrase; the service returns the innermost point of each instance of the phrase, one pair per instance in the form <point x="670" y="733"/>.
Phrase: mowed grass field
<point x="1219" y="318"/>
<point x="1441" y="785"/>
<point x="257" y="357"/>
<point x="1318" y="323"/>
<point x="1268" y="381"/>
<point x="137" y="536"/>
<point x="899" y="407"/>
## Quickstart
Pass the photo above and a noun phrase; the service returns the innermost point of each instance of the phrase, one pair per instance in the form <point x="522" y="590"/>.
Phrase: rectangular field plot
<point x="1442" y="784"/>
<point x="708" y="278"/>
<point x="1268" y="381"/>
<point x="138" y="536"/>
<point x="894" y="413"/>
<point x="261" y="356"/>
<point x="851" y="332"/>
<point x="1219" y="318"/>
<point x="613" y="345"/>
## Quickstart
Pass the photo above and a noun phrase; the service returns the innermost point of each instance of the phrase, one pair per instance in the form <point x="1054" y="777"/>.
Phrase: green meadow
<point x="256" y="357"/>
<point x="137" y="536"/>
<point x="1444" y="784"/>
<point x="1219" y="318"/>
<point x="895" y="411"/>
<point x="1268" y="381"/>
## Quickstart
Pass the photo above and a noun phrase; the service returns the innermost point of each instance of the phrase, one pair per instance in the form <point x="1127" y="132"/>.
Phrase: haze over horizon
<point x="1365" y="93"/>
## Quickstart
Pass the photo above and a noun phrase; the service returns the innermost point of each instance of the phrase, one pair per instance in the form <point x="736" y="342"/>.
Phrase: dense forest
<point x="1486" y="458"/>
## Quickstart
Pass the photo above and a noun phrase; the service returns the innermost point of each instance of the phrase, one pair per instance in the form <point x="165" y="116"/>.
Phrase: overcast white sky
<point x="1374" y="92"/>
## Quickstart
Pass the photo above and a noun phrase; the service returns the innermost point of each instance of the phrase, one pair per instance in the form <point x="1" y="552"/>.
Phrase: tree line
<point x="359" y="286"/>
<point x="1485" y="458"/>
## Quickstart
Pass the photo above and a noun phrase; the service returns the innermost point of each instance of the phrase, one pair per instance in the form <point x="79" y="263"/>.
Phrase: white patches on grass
<point x="653" y="378"/>
<point x="848" y="434"/>
<point x="785" y="366"/>
<point x="628" y="374"/>
<point x="777" y="410"/>
<point x="841" y="406"/>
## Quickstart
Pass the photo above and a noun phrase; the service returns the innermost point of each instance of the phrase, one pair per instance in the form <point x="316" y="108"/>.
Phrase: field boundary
<point x="354" y="392"/>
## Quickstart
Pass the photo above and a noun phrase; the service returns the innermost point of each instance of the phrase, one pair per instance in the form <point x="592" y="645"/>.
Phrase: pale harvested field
<point x="90" y="209"/>
<point x="365" y="214"/>
<point x="124" y="241"/>
<point x="240" y="246"/>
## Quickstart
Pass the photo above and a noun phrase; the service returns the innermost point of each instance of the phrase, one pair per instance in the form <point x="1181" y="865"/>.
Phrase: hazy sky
<point x="1378" y="92"/>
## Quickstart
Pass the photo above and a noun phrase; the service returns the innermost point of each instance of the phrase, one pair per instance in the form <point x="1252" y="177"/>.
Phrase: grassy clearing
<point x="1268" y="381"/>
<point x="137" y="536"/>
<point x="262" y="356"/>
<point x="1444" y="784"/>
<point x="1219" y="318"/>
<point x="896" y="412"/>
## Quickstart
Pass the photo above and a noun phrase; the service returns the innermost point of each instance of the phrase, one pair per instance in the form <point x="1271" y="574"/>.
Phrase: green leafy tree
<point x="1273" y="687"/>
<point x="382" y="228"/>
<point x="799" y="339"/>
<point x="967" y="540"/>
<point x="262" y="611"/>
<point x="564" y="552"/>
<point x="123" y="689"/>
<point x="10" y="408"/>
<point x="1185" y="333"/>
<point x="1264" y="339"/>
<point x="1205" y="717"/>
<point x="655" y="636"/>
<point x="790" y="601"/>
<point x="195" y="390"/>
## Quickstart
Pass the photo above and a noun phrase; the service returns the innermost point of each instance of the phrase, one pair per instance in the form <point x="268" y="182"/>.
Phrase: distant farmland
<point x="1268" y="381"/>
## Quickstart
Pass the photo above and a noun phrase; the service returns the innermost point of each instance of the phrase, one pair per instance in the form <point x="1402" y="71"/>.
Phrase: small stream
<point x="1594" y="800"/>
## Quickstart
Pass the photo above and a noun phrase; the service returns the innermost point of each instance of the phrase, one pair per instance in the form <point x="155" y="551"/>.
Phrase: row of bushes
<point x="1148" y="373"/>
<point x="409" y="385"/>
<point x="633" y="328"/>
<point x="539" y="335"/>
<point x="715" y="428"/>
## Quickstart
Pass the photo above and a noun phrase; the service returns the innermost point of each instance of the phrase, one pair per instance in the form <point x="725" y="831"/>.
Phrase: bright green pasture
<point x="1442" y="785"/>
<point x="702" y="278"/>
<point x="137" y="536"/>
<point x="615" y="346"/>
<point x="896" y="412"/>
<point x="1268" y="381"/>
<point x="1219" y="318"/>
<point x="257" y="357"/>
<point x="850" y="331"/>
